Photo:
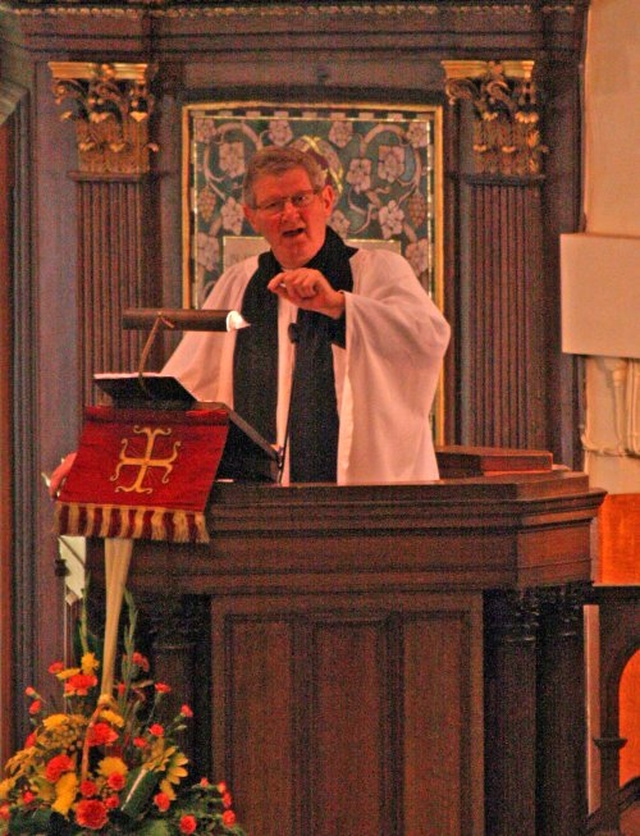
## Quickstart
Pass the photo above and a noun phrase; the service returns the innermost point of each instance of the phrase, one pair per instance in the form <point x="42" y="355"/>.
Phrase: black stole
<point x="313" y="419"/>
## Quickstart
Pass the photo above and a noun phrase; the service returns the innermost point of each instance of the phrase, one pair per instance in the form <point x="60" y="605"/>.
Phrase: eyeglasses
<point x="301" y="200"/>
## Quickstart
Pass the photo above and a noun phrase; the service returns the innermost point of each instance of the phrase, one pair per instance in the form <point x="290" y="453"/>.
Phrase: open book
<point x="133" y="388"/>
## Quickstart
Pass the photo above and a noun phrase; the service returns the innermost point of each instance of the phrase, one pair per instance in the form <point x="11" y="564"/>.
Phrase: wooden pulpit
<point x="383" y="660"/>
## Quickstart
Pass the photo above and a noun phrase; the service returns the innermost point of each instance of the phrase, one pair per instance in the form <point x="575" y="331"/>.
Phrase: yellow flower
<point x="111" y="765"/>
<point x="174" y="771"/>
<point x="54" y="721"/>
<point x="43" y="788"/>
<point x="66" y="788"/>
<point x="67" y="673"/>
<point x="89" y="663"/>
<point x="5" y="787"/>
<point x="112" y="717"/>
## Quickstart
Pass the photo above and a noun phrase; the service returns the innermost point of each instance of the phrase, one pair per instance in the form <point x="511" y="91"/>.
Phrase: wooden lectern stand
<point x="384" y="660"/>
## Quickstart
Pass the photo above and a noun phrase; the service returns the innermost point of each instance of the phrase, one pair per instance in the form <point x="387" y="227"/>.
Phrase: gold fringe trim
<point x="92" y="520"/>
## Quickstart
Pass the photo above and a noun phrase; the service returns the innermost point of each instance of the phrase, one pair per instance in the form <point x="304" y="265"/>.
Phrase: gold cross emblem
<point x="146" y="461"/>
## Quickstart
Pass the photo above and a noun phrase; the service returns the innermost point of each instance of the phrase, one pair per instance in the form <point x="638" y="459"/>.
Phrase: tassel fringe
<point x="89" y="520"/>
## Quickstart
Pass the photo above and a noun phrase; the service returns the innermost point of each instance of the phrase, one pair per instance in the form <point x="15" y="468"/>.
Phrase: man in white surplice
<point x="365" y="352"/>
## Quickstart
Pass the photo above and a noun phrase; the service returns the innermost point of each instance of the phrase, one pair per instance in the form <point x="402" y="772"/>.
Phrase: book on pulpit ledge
<point x="247" y="455"/>
<point x="148" y="388"/>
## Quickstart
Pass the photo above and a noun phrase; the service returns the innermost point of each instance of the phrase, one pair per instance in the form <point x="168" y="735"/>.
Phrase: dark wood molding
<point x="6" y="437"/>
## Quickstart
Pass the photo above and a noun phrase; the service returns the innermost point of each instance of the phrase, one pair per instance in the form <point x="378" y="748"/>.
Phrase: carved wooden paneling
<point x="354" y="715"/>
<point x="116" y="269"/>
<point x="506" y="319"/>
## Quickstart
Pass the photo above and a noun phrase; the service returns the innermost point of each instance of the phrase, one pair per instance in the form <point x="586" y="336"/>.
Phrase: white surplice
<point x="386" y="376"/>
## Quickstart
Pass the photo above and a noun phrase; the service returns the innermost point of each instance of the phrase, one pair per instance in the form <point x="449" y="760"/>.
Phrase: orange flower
<point x="87" y="789"/>
<point x="102" y="735"/>
<point x="188" y="824"/>
<point x="116" y="781"/>
<point x="91" y="814"/>
<point x="57" y="766"/>
<point x="228" y="818"/>
<point x="141" y="661"/>
<point x="79" y="684"/>
<point x="186" y="711"/>
<point x="163" y="688"/>
<point x="162" y="801"/>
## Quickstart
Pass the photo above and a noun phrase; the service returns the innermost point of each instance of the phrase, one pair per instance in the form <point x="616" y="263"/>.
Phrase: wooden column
<point x="501" y="323"/>
<point x="511" y="624"/>
<point x="117" y="249"/>
<point x="6" y="435"/>
<point x="561" y="733"/>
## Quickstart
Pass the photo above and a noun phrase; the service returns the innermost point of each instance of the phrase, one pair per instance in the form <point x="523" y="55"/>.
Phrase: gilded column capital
<point x="507" y="137"/>
<point x="112" y="104"/>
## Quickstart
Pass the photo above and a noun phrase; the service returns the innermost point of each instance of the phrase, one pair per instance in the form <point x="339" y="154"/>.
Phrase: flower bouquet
<point x="106" y="763"/>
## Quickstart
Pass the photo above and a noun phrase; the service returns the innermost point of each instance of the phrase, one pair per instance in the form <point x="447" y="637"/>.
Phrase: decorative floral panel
<point x="384" y="163"/>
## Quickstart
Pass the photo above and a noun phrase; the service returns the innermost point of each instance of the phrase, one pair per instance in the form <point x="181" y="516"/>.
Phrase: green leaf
<point x="23" y="821"/>
<point x="140" y="785"/>
<point x="153" y="827"/>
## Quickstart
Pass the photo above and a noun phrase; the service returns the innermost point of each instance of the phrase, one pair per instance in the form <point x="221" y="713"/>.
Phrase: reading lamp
<point x="178" y="319"/>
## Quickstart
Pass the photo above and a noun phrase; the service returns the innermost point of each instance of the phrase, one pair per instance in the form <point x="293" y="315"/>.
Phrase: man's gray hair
<point x="277" y="161"/>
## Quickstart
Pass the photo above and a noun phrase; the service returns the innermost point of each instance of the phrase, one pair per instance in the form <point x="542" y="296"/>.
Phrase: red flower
<point x="188" y="824"/>
<point x="186" y="711"/>
<point x="35" y="707"/>
<point x="102" y="735"/>
<point x="31" y="739"/>
<point x="140" y="743"/>
<point x="115" y="781"/>
<point x="227" y="801"/>
<point x="57" y="766"/>
<point x="4" y="812"/>
<point x="91" y="814"/>
<point x="162" y="688"/>
<point x="228" y="818"/>
<point x="121" y="688"/>
<point x="162" y="801"/>
<point x="111" y="802"/>
<point x="87" y="789"/>
<point x="79" y="684"/>
<point x="30" y="691"/>
<point x="141" y="661"/>
<point x="27" y="797"/>
<point x="56" y="667"/>
<point x="156" y="730"/>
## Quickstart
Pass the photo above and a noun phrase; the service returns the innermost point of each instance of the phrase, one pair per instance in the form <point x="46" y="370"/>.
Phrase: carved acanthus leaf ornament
<point x="112" y="106"/>
<point x="507" y="136"/>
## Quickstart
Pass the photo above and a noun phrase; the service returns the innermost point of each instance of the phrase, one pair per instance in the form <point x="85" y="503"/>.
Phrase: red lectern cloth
<point x="141" y="473"/>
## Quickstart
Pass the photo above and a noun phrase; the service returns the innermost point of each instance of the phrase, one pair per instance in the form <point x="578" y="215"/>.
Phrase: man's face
<point x="295" y="234"/>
